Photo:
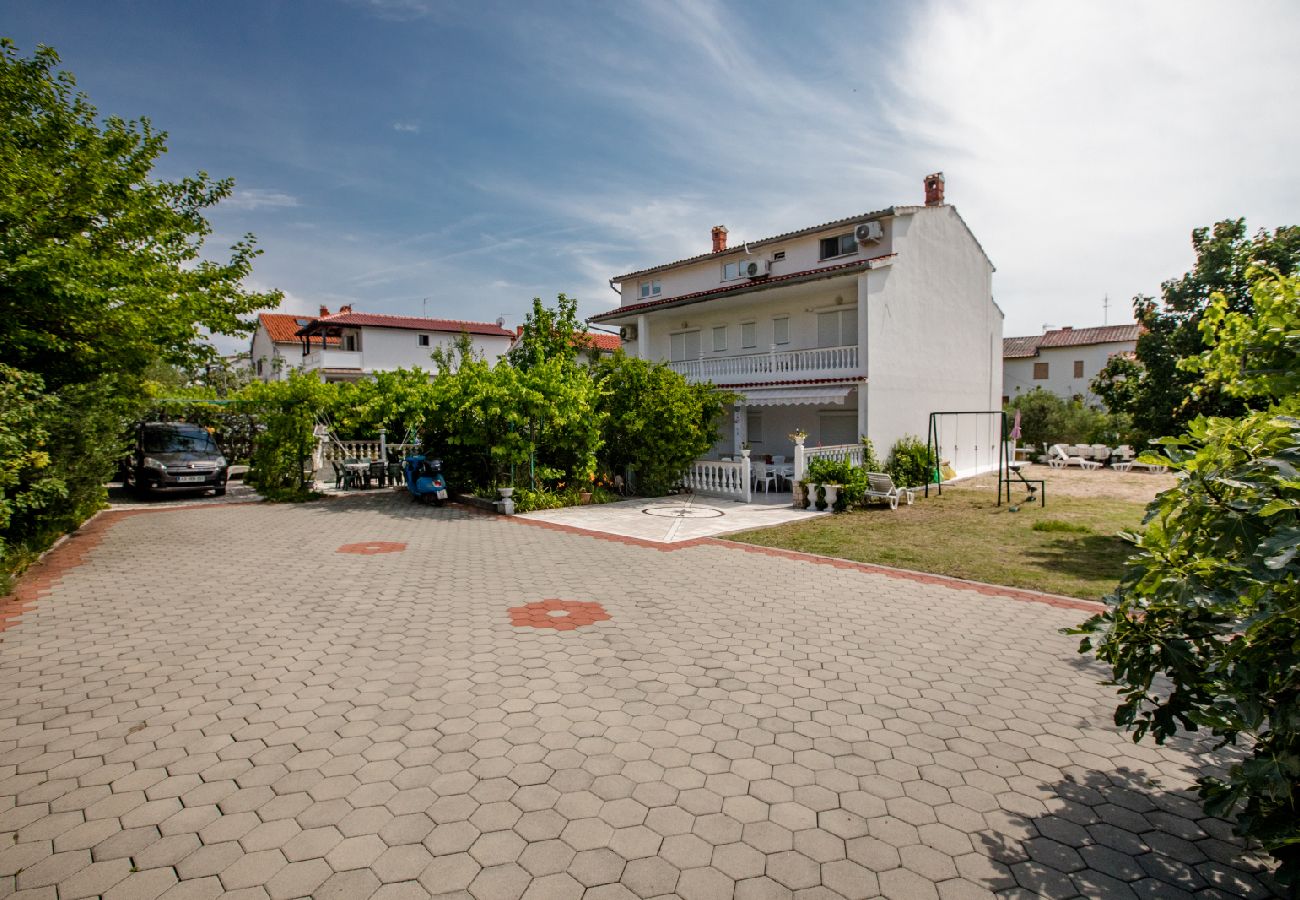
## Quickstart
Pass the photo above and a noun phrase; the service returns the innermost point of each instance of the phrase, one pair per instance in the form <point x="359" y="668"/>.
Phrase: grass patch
<point x="1074" y="551"/>
<point x="1058" y="525"/>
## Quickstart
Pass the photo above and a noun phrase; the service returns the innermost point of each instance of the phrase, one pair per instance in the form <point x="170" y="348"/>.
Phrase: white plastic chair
<point x="765" y="477"/>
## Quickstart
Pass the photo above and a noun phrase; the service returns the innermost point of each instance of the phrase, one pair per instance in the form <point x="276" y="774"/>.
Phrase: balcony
<point x="775" y="365"/>
<point x="332" y="359"/>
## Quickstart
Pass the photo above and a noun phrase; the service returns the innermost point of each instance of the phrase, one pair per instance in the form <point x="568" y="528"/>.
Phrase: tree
<point x="657" y="423"/>
<point x="1203" y="631"/>
<point x="1164" y="397"/>
<point x="549" y="334"/>
<point x="102" y="275"/>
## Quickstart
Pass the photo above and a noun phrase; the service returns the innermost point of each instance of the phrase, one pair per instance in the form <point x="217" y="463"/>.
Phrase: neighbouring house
<point x="860" y="326"/>
<point x="347" y="345"/>
<point x="276" y="348"/>
<point x="1063" y="361"/>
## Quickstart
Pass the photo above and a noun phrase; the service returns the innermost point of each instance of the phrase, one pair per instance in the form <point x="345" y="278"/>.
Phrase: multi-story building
<point x="858" y="327"/>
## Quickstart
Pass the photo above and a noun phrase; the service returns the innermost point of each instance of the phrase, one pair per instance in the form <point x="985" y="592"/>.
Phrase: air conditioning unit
<point x="754" y="268"/>
<point x="627" y="333"/>
<point x="869" y="233"/>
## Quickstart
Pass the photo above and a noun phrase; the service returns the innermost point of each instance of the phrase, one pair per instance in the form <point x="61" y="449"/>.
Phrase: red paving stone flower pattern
<point x="562" y="615"/>
<point x="369" y="548"/>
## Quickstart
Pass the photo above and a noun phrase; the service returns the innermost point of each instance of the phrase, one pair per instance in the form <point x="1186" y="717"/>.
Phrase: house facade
<point x="858" y="327"/>
<point x="1063" y="361"/>
<point x="348" y="346"/>
<point x="276" y="348"/>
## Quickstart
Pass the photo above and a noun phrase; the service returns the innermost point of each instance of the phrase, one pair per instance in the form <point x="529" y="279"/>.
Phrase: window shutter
<point x="828" y="329"/>
<point x="749" y="334"/>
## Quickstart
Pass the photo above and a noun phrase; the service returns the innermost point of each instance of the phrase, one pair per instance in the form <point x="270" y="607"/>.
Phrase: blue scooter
<point x="424" y="479"/>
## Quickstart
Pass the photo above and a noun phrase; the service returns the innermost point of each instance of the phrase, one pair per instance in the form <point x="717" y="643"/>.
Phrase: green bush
<point x="654" y="422"/>
<point x="1046" y="418"/>
<point x="287" y="412"/>
<point x="910" y="462"/>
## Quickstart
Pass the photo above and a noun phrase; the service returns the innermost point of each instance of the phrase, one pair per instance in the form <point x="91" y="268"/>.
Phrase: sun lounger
<point x="881" y="487"/>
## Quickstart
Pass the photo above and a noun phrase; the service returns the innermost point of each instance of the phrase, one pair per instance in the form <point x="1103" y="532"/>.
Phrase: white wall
<point x="801" y="254"/>
<point x="277" y="359"/>
<point x="384" y="349"/>
<point x="934" y="334"/>
<point x="1018" y="374"/>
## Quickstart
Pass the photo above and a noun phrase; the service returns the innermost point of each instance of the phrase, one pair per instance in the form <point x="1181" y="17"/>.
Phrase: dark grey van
<point x="176" y="456"/>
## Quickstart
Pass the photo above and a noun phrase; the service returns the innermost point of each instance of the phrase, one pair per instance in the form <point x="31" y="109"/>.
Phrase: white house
<point x="276" y="348"/>
<point x="861" y="326"/>
<point x="347" y="345"/>
<point x="1063" y="361"/>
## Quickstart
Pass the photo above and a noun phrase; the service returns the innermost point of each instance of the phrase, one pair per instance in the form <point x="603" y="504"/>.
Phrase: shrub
<point x="287" y="412"/>
<point x="910" y="462"/>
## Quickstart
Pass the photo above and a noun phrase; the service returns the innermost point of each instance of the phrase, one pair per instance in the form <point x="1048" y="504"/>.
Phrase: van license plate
<point x="191" y="479"/>
<point x="442" y="495"/>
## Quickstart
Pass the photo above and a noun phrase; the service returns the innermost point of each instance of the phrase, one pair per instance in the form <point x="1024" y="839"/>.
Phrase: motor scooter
<point x="424" y="479"/>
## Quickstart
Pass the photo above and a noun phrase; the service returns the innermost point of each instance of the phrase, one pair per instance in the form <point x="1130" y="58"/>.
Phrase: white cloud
<point x="247" y="199"/>
<point x="407" y="127"/>
<point x="1083" y="142"/>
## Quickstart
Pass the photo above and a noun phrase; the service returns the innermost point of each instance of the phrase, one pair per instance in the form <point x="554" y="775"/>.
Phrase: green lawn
<point x="1073" y="550"/>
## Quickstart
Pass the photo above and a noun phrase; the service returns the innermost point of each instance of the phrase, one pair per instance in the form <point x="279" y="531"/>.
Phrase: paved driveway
<point x="370" y="698"/>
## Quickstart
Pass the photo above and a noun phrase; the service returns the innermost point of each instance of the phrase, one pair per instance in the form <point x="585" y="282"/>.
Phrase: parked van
<point x="175" y="456"/>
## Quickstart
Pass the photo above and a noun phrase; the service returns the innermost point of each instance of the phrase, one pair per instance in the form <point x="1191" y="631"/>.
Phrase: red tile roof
<point x="283" y="327"/>
<point x="1077" y="337"/>
<point x="1022" y="347"/>
<point x="409" y="323"/>
<point x="605" y="343"/>
<point x="756" y="284"/>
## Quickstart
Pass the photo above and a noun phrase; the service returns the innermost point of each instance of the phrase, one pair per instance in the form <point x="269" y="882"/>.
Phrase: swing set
<point x="973" y="446"/>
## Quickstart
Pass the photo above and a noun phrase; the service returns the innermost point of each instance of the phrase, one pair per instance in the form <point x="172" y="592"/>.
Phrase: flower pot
<point x="832" y="494"/>
<point x="584" y="497"/>
<point x="506" y="492"/>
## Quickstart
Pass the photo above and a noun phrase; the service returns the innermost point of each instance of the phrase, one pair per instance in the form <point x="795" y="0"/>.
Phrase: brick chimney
<point x="719" y="238"/>
<point x="324" y="310"/>
<point x="343" y="310"/>
<point x="934" y="189"/>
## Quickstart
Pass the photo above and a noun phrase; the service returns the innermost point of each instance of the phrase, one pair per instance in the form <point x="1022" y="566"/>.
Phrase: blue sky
<point x="478" y="155"/>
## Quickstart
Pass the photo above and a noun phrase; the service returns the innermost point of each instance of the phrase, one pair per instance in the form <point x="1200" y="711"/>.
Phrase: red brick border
<point x="988" y="590"/>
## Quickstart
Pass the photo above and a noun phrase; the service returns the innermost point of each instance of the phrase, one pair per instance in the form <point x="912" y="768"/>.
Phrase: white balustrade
<point x="712" y="476"/>
<point x="835" y="452"/>
<point x="772" y="365"/>
<point x="341" y="450"/>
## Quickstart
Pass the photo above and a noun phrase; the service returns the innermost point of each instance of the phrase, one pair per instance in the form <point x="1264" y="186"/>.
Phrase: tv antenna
<point x="1105" y="310"/>
<point x="424" y="307"/>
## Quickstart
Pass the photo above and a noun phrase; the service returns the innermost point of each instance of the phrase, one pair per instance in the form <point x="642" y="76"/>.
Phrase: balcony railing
<point x="332" y="359"/>
<point x="774" y="365"/>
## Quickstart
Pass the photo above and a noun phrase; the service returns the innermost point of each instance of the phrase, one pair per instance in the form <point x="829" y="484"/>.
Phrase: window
<point x="650" y="289"/>
<point x="684" y="345"/>
<point x="350" y="342"/>
<point x="748" y="335"/>
<point x="1078" y="368"/>
<point x="778" y="256"/>
<point x="422" y="340"/>
<point x="781" y="330"/>
<point x="259" y="365"/>
<point x="731" y="271"/>
<point x="719" y="338"/>
<point x="754" y="426"/>
<point x="840" y="245"/>
<point x="838" y="328"/>
<point x="1040" y="371"/>
<point x="837" y="428"/>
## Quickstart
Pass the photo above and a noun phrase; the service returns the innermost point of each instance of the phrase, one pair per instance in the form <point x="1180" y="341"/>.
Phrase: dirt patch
<point x="1140" y="487"/>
